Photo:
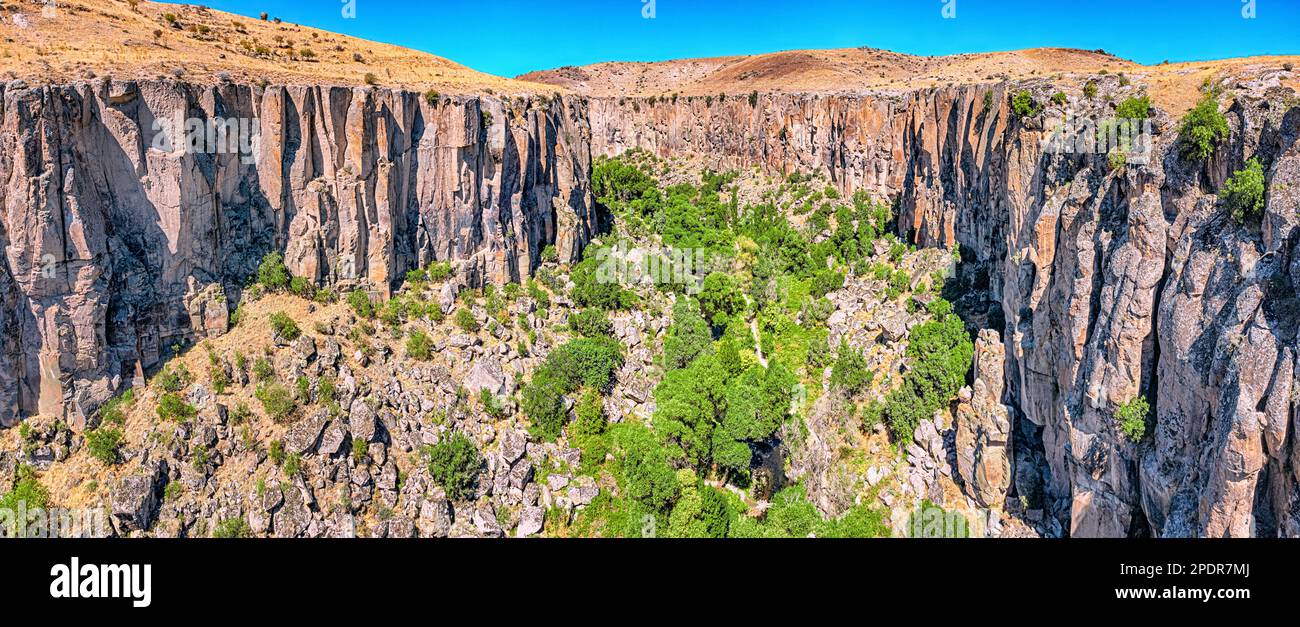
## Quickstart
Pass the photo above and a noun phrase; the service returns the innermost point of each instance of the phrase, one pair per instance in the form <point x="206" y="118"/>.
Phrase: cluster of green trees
<point x="940" y="353"/>
<point x="587" y="362"/>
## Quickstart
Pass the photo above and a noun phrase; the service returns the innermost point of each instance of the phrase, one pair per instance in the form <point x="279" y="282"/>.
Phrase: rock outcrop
<point x="125" y="233"/>
<point x="984" y="426"/>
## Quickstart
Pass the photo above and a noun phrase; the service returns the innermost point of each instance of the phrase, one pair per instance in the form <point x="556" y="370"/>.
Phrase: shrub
<point x="172" y="407"/>
<point x="371" y="79"/>
<point x="418" y="346"/>
<point x="1135" y="108"/>
<point x="360" y="303"/>
<point x="688" y="337"/>
<point x="277" y="400"/>
<point x="272" y="274"/>
<point x="850" y="372"/>
<point x="232" y="528"/>
<point x="440" y="271"/>
<point x="172" y="380"/>
<point x="27" y="490"/>
<point x="1243" y="192"/>
<point x="1090" y="90"/>
<point x="466" y="321"/>
<point x="940" y="352"/>
<point x="454" y="464"/>
<point x="1202" y="129"/>
<point x="114" y="411"/>
<point x="1116" y="160"/>
<point x="432" y="97"/>
<point x="588" y="362"/>
<point x="492" y="405"/>
<point x="591" y="323"/>
<point x="1059" y="98"/>
<point x="276" y="452"/>
<point x="1132" y="417"/>
<point x="103" y="444"/>
<point x="284" y="326"/>
<point x="550" y="254"/>
<point x="359" y="450"/>
<point x="1023" y="105"/>
<point x="262" y="370"/>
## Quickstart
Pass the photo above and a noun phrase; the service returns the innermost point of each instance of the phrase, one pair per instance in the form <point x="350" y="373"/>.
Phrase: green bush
<point x="360" y="449"/>
<point x="28" y="492"/>
<point x="591" y="323"/>
<point x="263" y="371"/>
<point x="585" y="362"/>
<point x="454" y="464"/>
<point x="231" y="528"/>
<point x="1202" y="129"/>
<point x="284" y="326"/>
<point x="1090" y="90"/>
<point x="114" y="411"/>
<point x="418" y="346"/>
<point x="172" y="407"/>
<point x="103" y="444"/>
<point x="1132" y="418"/>
<point x="1135" y="108"/>
<point x="440" y="271"/>
<point x="360" y="303"/>
<point x="272" y="274"/>
<point x="1243" y="192"/>
<point x="688" y="337"/>
<point x="277" y="400"/>
<point x="850" y="372"/>
<point x="173" y="380"/>
<point x="466" y="321"/>
<point x="1023" y="105"/>
<point x="940" y="352"/>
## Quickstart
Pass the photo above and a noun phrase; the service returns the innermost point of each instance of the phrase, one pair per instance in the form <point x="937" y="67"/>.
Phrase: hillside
<point x="129" y="39"/>
<point x="1173" y="86"/>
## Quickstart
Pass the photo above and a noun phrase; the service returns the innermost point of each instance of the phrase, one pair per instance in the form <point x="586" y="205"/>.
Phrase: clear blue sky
<point x="510" y="37"/>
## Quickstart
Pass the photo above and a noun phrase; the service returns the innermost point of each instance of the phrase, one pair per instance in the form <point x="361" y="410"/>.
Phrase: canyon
<point x="1096" y="284"/>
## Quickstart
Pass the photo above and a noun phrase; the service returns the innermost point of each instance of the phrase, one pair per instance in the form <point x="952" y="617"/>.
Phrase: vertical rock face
<point x="984" y="426"/>
<point x="125" y="233"/>
<point x="1112" y="283"/>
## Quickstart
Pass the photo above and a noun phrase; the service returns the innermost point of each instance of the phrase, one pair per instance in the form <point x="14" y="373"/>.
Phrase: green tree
<point x="688" y="337"/>
<point x="1133" y="417"/>
<point x="454" y="464"/>
<point x="850" y="372"/>
<point x="1243" y="192"/>
<point x="719" y="298"/>
<point x="103" y="444"/>
<point x="1202" y="129"/>
<point x="272" y="273"/>
<point x="643" y="466"/>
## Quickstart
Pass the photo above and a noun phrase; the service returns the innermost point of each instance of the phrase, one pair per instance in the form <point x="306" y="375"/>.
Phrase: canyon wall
<point x="1111" y="283"/>
<point x="124" y="233"/>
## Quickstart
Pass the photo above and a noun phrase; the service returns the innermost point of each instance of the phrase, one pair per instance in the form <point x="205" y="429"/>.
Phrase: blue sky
<point x="509" y="37"/>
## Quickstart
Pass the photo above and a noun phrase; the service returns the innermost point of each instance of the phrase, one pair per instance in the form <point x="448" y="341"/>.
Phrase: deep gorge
<point x="1111" y="284"/>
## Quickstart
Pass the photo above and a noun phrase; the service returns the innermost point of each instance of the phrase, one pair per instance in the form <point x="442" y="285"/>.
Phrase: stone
<point x="135" y="499"/>
<point x="302" y="436"/>
<point x="531" y="521"/>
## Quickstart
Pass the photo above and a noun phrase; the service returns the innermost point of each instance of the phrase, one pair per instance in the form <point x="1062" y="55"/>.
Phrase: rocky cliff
<point x="125" y="233"/>
<point x="1106" y="283"/>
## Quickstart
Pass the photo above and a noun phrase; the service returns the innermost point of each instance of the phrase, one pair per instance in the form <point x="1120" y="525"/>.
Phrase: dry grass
<point x="85" y="38"/>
